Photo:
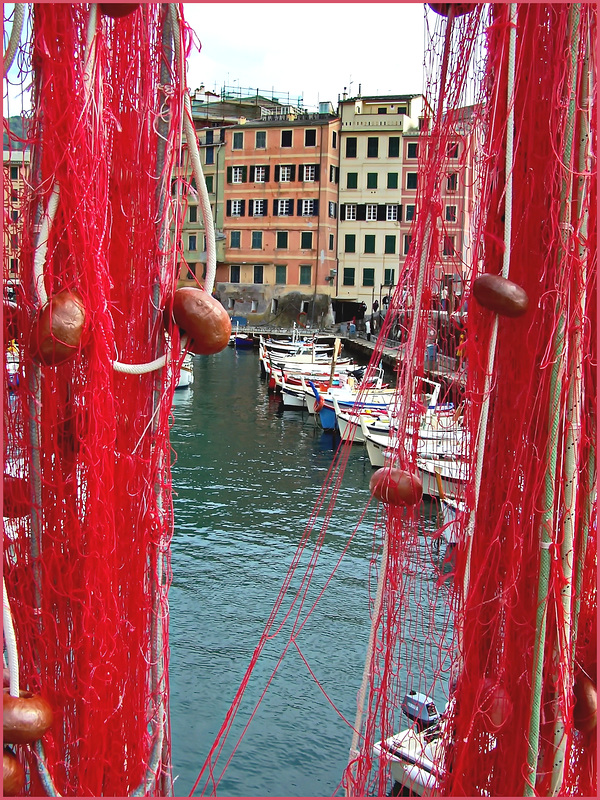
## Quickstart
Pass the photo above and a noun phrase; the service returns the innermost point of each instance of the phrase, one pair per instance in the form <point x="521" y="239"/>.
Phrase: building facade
<point x="16" y="164"/>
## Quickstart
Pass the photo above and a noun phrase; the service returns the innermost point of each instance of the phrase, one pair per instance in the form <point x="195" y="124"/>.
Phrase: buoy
<point x="443" y="9"/>
<point x="13" y="778"/>
<point x="396" y="486"/>
<point x="203" y="319"/>
<point x="16" y="496"/>
<point x="25" y="718"/>
<point x="495" y="704"/>
<point x="56" y="335"/>
<point x="500" y="295"/>
<point x="585" y="711"/>
<point x="118" y="10"/>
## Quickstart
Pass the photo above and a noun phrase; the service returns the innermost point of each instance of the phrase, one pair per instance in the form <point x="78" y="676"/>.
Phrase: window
<point x="452" y="149"/>
<point x="281" y="240"/>
<point x="14" y="215"/>
<point x="260" y="174"/>
<point x="259" y="208"/>
<point x="231" y="302"/>
<point x="448" y="246"/>
<point x="372" y="147"/>
<point x="14" y="265"/>
<point x="193" y="213"/>
<point x="310" y="137"/>
<point x="14" y="173"/>
<point x="412" y="150"/>
<point x="393" y="147"/>
<point x="368" y="276"/>
<point x="410" y="213"/>
<point x="348" y="279"/>
<point x="371" y="180"/>
<point x="351" y="211"/>
<point x="280" y="273"/>
<point x="334" y="139"/>
<point x="407" y="241"/>
<point x="258" y="273"/>
<point x="351" y="147"/>
<point x="388" y="277"/>
<point x="304" y="307"/>
<point x="411" y="180"/>
<point x="450" y="213"/>
<point x="305" y="277"/>
<point x="192" y="242"/>
<point x="392" y="180"/>
<point x="391" y="213"/>
<point x="254" y="304"/>
<point x="285" y="174"/>
<point x="306" y="240"/>
<point x="237" y="174"/>
<point x="237" y="208"/>
<point x="274" y="305"/>
<point x="331" y="241"/>
<point x="209" y="155"/>
<point x="209" y="137"/>
<point x="209" y="179"/>
<point x="257" y="239"/>
<point x="260" y="142"/>
<point x="234" y="274"/>
<point x="332" y="209"/>
<point x="333" y="173"/>
<point x="382" y="110"/>
<point x="390" y="244"/>
<point x="308" y="208"/>
<point x="369" y="243"/>
<point x="350" y="243"/>
<point x="14" y="240"/>
<point x="309" y="171"/>
<point x="286" y="138"/>
<point x="371" y="212"/>
<point x="352" y="180"/>
<point x="238" y="140"/>
<point x="235" y="240"/>
<point x="284" y="208"/>
<point x="452" y="182"/>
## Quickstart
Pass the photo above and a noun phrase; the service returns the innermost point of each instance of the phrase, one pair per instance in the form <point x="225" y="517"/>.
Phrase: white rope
<point x="11" y="643"/>
<point x="192" y="140"/>
<point x="41" y="248"/>
<point x="140" y="369"/>
<point x="15" y="36"/>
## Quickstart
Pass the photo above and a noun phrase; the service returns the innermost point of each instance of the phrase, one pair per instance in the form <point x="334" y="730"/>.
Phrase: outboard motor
<point x="421" y="709"/>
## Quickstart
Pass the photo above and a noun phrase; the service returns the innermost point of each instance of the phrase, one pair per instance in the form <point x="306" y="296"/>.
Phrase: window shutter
<point x="293" y="176"/>
<point x="361" y="211"/>
<point x="381" y="213"/>
<point x="243" y="208"/>
<point x="229" y="171"/>
<point x="229" y="208"/>
<point x="290" y="208"/>
<point x="252" y="173"/>
<point x="399" y="213"/>
<point x="277" y="172"/>
<point x="274" y="208"/>
<point x="342" y="212"/>
<point x="316" y="208"/>
<point x="267" y="172"/>
<point x="317" y="172"/>
<point x="250" y="208"/>
<point x="299" y="212"/>
<point x="244" y="174"/>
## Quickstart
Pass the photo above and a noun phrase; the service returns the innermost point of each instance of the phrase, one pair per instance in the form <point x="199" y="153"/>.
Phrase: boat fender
<point x="203" y="319"/>
<point x="13" y="774"/>
<point x="500" y="295"/>
<point x="58" y="332"/>
<point x="25" y="718"/>
<point x="319" y="404"/>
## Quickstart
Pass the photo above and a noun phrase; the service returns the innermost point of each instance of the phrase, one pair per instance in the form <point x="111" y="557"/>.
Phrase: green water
<point x="246" y="477"/>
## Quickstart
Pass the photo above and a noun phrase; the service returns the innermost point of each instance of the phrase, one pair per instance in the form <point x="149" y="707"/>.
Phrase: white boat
<point x="186" y="373"/>
<point x="447" y="476"/>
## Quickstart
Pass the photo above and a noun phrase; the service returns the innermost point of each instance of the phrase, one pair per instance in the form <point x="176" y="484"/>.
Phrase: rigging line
<point x="11" y="643"/>
<point x="15" y="37"/>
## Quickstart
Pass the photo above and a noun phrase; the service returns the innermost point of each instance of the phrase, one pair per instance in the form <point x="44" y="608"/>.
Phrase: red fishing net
<point x="86" y="548"/>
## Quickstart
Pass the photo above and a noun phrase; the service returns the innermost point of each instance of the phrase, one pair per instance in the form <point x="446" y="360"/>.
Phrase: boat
<point x="186" y="373"/>
<point x="243" y="341"/>
<point x="442" y="477"/>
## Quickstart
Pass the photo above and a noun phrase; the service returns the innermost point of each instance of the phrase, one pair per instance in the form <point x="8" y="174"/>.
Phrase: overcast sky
<point x="309" y="50"/>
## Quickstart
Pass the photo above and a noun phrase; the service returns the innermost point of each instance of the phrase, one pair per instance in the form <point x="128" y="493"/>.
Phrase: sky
<point x="308" y="50"/>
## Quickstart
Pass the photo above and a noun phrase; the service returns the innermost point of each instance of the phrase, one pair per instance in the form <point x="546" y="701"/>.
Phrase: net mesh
<point x="87" y="455"/>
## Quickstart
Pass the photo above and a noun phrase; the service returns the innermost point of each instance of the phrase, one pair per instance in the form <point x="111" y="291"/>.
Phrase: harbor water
<point x="246" y="477"/>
